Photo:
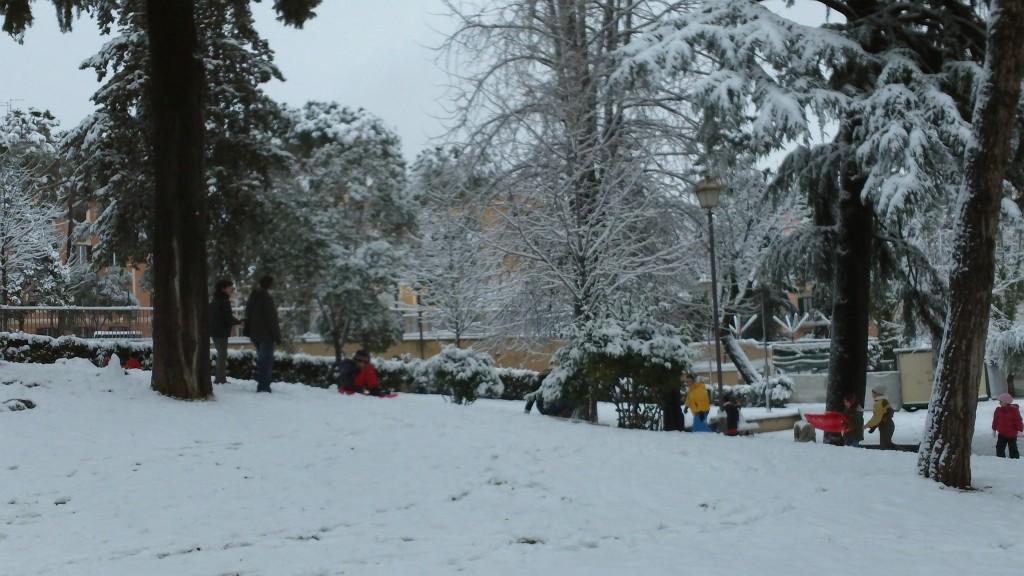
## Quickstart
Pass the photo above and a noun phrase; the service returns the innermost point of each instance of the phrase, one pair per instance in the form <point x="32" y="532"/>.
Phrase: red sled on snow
<point x="353" y="392"/>
<point x="827" y="422"/>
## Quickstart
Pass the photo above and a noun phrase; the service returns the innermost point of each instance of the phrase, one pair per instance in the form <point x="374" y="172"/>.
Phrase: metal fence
<point x="136" y="322"/>
<point x="131" y="322"/>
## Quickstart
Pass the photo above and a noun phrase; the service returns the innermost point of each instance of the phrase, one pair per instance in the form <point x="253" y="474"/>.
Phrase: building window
<point x="80" y="212"/>
<point x="82" y="253"/>
<point x="805" y="304"/>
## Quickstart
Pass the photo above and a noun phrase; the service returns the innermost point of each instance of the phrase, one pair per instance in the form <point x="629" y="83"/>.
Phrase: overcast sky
<point x="375" y="55"/>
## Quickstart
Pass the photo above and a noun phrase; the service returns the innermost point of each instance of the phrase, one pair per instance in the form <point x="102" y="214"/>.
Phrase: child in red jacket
<point x="366" y="380"/>
<point x="1007" y="424"/>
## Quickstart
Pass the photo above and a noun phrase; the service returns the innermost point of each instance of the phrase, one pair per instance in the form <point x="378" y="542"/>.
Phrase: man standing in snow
<point x="263" y="329"/>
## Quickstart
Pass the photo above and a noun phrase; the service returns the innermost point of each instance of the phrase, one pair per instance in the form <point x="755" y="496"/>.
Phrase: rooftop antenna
<point x="10" y="104"/>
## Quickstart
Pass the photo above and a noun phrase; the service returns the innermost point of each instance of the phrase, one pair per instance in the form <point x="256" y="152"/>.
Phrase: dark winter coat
<point x="854" y="423"/>
<point x="221" y="319"/>
<point x="1006" y="421"/>
<point x="261" y="317"/>
<point x="347" y="375"/>
<point x="732" y="418"/>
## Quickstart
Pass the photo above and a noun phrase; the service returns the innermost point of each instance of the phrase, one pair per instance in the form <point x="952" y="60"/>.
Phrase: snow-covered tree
<point x="889" y="78"/>
<point x="585" y="199"/>
<point x="174" y="71"/>
<point x="240" y="149"/>
<point x="455" y="269"/>
<point x="945" y="454"/>
<point x="359" y="216"/>
<point x="31" y="270"/>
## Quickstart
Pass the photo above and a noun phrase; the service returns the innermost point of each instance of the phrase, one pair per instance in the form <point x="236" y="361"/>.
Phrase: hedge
<point x="317" y="371"/>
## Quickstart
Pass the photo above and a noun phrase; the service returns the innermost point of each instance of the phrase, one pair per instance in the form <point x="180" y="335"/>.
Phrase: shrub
<point x="462" y="375"/>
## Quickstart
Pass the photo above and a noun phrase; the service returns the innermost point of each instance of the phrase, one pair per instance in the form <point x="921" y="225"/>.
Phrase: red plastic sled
<point x="352" y="393"/>
<point x="827" y="422"/>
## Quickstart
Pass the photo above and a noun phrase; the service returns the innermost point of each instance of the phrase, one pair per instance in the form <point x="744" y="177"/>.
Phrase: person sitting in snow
<point x="347" y="372"/>
<point x="881" y="418"/>
<point x="1007" y="426"/>
<point x="366" y="381"/>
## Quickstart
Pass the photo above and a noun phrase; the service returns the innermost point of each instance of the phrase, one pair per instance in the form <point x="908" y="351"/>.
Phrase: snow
<point x="107" y="477"/>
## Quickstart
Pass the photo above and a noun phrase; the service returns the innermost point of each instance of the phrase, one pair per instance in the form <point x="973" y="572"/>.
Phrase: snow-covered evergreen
<point x="31" y="268"/>
<point x="352" y="220"/>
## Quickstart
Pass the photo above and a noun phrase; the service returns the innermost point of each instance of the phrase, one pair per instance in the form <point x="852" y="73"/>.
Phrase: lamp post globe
<point x="707" y="192"/>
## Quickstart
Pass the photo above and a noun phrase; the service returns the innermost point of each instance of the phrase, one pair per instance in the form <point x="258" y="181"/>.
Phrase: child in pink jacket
<point x="1007" y="424"/>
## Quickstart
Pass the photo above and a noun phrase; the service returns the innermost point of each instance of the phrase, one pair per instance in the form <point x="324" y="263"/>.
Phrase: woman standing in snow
<point x="881" y="418"/>
<point x="1007" y="426"/>
<point x="221" y="320"/>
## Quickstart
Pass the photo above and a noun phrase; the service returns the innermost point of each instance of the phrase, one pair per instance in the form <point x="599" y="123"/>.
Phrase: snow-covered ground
<point x="105" y="477"/>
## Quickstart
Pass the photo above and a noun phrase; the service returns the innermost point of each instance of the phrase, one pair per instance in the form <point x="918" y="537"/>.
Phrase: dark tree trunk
<point x="848" y="356"/>
<point x="945" y="454"/>
<point x="181" y="358"/>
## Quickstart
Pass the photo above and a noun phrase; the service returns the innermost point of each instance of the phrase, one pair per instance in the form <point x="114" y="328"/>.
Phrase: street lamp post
<point x="764" y="336"/>
<point x="707" y="193"/>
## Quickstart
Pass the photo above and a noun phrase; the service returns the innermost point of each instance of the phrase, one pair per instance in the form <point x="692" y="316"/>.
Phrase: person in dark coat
<point x="347" y="372"/>
<point x="559" y="408"/>
<point x="263" y="329"/>
<point x="853" y="434"/>
<point x="732" y="415"/>
<point x="221" y="321"/>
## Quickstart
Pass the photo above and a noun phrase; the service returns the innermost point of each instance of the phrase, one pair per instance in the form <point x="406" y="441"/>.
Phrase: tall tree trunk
<point x="181" y="354"/>
<point x="945" y="454"/>
<point x="848" y="355"/>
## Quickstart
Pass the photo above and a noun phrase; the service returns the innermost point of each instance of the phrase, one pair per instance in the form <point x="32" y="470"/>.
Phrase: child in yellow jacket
<point x="697" y="400"/>
<point x="881" y="418"/>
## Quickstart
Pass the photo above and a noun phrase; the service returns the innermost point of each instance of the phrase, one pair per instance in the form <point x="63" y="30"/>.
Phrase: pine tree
<point x="180" y="362"/>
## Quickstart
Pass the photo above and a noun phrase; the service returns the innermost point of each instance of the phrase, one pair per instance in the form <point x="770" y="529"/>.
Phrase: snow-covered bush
<point x="624" y="360"/>
<point x="461" y="374"/>
<point x="404" y="374"/>
<point x="754" y="394"/>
